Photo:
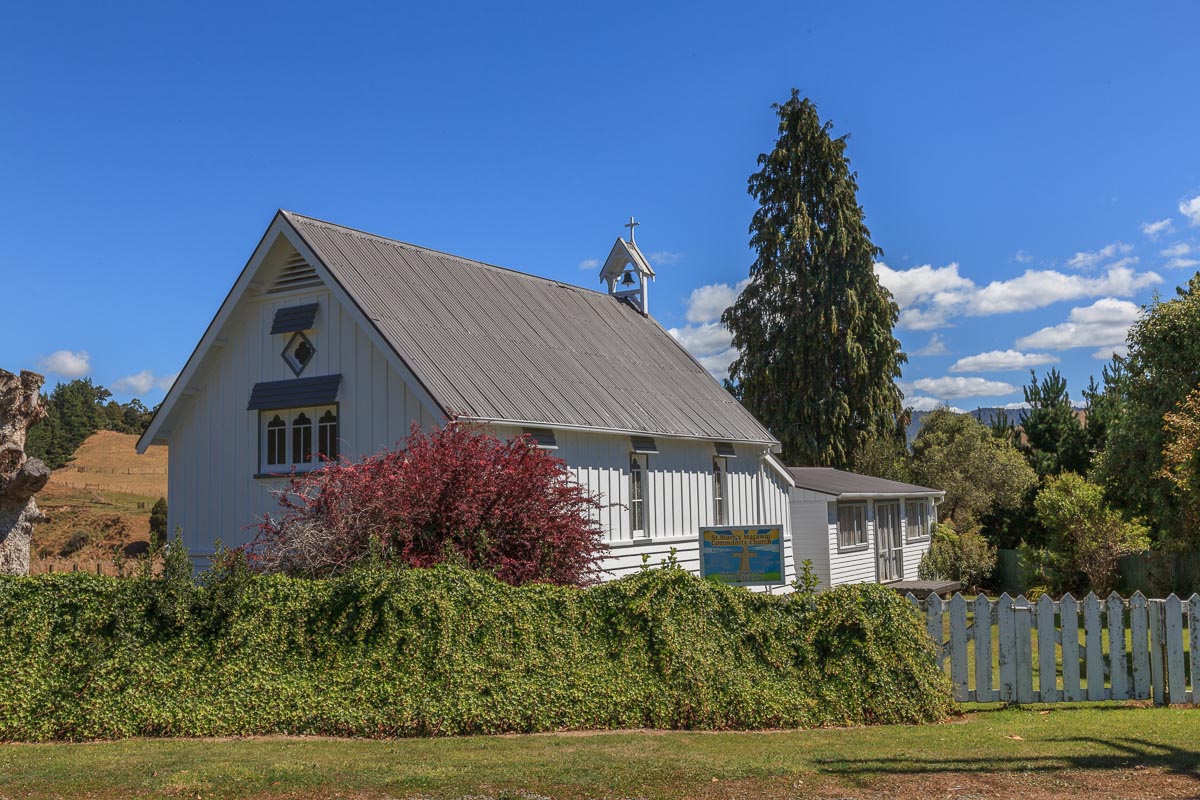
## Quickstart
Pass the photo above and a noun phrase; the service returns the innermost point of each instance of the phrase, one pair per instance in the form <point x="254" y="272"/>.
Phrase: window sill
<point x="642" y="541"/>
<point x="855" y="548"/>
<point x="921" y="540"/>
<point x="283" y="476"/>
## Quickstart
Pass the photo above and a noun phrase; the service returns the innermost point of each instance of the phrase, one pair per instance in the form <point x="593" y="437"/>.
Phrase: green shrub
<point x="1086" y="535"/>
<point x="446" y="651"/>
<point x="76" y="542"/>
<point x="953" y="556"/>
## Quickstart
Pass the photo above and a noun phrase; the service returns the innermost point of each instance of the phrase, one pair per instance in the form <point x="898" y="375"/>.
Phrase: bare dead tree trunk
<point x="21" y="477"/>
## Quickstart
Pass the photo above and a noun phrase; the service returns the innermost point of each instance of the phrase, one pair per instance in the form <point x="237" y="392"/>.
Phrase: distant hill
<point x="985" y="415"/>
<point x="98" y="504"/>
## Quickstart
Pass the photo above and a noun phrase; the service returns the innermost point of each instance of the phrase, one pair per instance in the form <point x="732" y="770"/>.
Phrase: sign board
<point x="742" y="556"/>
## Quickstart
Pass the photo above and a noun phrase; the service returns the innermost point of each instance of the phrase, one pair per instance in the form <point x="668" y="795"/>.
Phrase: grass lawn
<point x="1111" y="751"/>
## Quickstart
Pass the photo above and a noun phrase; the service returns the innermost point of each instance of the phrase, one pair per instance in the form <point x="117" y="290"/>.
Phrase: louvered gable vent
<point x="725" y="449"/>
<point x="643" y="444"/>
<point x="296" y="274"/>
<point x="542" y="437"/>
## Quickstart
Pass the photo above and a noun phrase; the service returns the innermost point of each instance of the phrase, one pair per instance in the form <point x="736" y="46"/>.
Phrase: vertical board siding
<point x="213" y="450"/>
<point x="1159" y="670"/>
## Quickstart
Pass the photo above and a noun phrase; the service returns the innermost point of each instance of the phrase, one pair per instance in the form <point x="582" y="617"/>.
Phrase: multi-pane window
<point x="288" y="438"/>
<point x="718" y="492"/>
<point x="916" y="516"/>
<point x="327" y="436"/>
<point x="302" y="439"/>
<point x="852" y="525"/>
<point x="276" y="441"/>
<point x="637" y="496"/>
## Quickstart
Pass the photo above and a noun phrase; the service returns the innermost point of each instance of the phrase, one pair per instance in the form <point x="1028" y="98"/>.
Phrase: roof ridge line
<point x="423" y="248"/>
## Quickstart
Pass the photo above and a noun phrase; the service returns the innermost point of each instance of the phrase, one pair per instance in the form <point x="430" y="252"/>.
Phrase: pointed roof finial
<point x="631" y="225"/>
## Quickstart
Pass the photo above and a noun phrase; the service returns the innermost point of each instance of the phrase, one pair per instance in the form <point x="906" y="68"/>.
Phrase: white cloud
<point x="589" y="263"/>
<point x="1002" y="361"/>
<point x="936" y="347"/>
<point x="1022" y="406"/>
<point x="929" y="297"/>
<point x="1085" y="260"/>
<point x="664" y="257"/>
<point x="706" y="338"/>
<point x="1023" y="257"/>
<point x="1105" y="323"/>
<point x="66" y="363"/>
<point x="1106" y="353"/>
<point x="138" y="383"/>
<point x="707" y="303"/>
<point x="1176" y="250"/>
<point x="1155" y="229"/>
<point x="710" y="343"/>
<point x="921" y="403"/>
<point x="921" y="284"/>
<point x="953" y="387"/>
<point x="1181" y="263"/>
<point x="1191" y="209"/>
<point x="718" y="363"/>
<point x="142" y="382"/>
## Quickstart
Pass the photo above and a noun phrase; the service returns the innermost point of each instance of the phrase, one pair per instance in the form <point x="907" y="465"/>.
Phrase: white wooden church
<point x="333" y="341"/>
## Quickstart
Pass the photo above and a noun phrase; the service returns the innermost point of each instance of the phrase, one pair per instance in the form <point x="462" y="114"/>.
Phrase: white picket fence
<point x="1105" y="664"/>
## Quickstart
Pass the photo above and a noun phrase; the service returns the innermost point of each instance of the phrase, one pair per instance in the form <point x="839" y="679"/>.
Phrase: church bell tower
<point x="627" y="272"/>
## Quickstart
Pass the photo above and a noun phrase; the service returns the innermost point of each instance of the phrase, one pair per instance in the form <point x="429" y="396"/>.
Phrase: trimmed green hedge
<point x="448" y="651"/>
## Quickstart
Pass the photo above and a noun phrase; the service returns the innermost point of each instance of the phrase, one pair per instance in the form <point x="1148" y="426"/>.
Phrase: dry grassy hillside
<point x="99" y="504"/>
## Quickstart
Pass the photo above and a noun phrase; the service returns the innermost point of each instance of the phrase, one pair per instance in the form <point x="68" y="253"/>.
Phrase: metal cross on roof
<point x="631" y="225"/>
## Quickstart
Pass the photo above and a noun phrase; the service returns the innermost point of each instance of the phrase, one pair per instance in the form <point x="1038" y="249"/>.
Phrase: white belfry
<point x="627" y="272"/>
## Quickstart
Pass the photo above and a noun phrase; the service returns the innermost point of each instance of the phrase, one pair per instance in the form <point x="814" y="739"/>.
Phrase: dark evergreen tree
<point x="1054" y="439"/>
<point x="817" y="360"/>
<point x="158" y="523"/>
<point x="1102" y="406"/>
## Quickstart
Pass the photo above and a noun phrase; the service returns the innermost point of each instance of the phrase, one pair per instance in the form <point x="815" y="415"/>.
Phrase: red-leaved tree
<point x="456" y="493"/>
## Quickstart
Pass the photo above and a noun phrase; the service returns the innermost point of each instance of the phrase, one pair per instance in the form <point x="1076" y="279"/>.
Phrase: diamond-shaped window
<point x="298" y="353"/>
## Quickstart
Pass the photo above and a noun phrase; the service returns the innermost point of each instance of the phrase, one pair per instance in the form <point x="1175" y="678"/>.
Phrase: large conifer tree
<point x="817" y="359"/>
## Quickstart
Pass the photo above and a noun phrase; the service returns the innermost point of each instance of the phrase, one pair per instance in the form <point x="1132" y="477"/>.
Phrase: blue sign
<point x="742" y="556"/>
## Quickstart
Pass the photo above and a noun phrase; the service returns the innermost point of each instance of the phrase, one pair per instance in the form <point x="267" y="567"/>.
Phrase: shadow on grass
<point x="1124" y="753"/>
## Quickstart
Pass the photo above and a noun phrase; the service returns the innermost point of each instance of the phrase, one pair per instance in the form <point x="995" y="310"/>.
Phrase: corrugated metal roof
<point x="494" y="344"/>
<point x="837" y="482"/>
<point x="294" y="318"/>
<point x="316" y="391"/>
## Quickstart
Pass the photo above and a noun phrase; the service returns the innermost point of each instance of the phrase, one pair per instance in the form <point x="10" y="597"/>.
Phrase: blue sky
<point x="1032" y="173"/>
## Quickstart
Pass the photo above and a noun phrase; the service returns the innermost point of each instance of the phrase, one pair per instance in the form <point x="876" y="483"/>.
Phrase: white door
<point x="889" y="543"/>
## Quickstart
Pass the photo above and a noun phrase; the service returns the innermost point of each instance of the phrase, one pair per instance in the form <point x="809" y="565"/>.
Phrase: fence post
<point x="1094" y="637"/>
<point x="1047" y="669"/>
<point x="983" y="651"/>
<point x="1023" y="612"/>
<point x="1068" y="609"/>
<point x="1157" y="653"/>
<point x="958" y="647"/>
<point x="1117" y="669"/>
<point x="1138" y="624"/>
<point x="1194" y="645"/>
<point x="1007" y="626"/>
<point x="933" y="624"/>
<point x="1173" y="611"/>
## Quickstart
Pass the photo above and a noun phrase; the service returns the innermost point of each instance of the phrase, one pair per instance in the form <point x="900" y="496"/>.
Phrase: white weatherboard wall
<point x="815" y="537"/>
<point x="679" y="495"/>
<point x="214" y="450"/>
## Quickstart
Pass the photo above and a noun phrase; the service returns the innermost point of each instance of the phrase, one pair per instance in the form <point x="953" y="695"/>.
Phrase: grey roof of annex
<point x="494" y="344"/>
<point x="836" y="482"/>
